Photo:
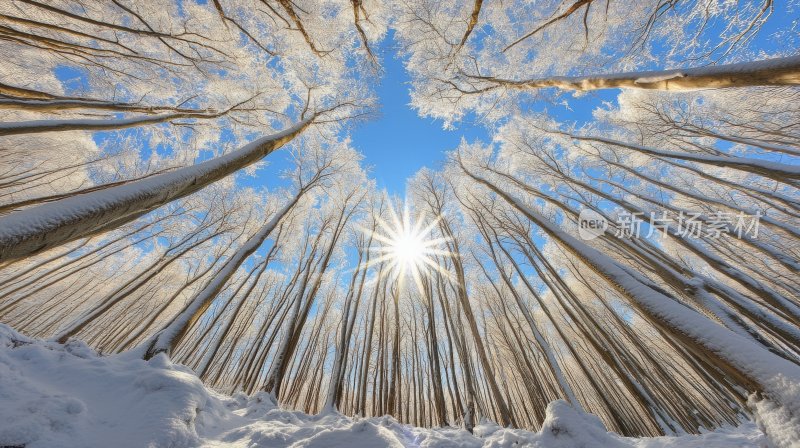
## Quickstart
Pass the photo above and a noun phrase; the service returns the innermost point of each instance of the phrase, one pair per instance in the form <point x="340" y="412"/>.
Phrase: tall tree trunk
<point x="165" y="340"/>
<point x="36" y="229"/>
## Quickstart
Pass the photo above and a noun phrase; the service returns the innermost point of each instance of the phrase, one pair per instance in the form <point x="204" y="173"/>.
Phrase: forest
<point x="181" y="184"/>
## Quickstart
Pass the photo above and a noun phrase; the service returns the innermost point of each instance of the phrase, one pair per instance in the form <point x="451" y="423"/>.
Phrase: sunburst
<point x="408" y="246"/>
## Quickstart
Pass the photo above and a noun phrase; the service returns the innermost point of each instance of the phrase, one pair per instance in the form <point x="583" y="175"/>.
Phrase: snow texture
<point x="54" y="395"/>
<point x="658" y="78"/>
<point x="73" y="217"/>
<point x="776" y="71"/>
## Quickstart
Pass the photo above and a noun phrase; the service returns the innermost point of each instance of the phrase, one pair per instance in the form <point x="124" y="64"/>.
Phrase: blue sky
<point x="398" y="142"/>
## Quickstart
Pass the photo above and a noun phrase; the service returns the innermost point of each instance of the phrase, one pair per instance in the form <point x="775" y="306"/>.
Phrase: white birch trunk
<point x="762" y="369"/>
<point x="769" y="72"/>
<point x="33" y="230"/>
<point x="166" y="339"/>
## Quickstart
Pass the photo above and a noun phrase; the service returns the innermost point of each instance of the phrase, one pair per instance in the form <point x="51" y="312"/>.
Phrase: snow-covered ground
<point x="54" y="395"/>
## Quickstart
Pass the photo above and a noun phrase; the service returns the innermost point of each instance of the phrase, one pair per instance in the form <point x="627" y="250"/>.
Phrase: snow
<point x="33" y="126"/>
<point x="780" y="421"/>
<point x="762" y="167"/>
<point x="769" y="72"/>
<point x="54" y="223"/>
<point x="67" y="396"/>
<point x="777" y="378"/>
<point x="666" y="76"/>
<point x="55" y="395"/>
<point x="165" y="339"/>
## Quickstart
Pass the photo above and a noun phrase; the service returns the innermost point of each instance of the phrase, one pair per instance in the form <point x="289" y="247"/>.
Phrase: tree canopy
<point x="139" y="210"/>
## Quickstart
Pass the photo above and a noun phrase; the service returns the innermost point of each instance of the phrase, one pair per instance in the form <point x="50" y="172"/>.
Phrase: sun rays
<point x="408" y="247"/>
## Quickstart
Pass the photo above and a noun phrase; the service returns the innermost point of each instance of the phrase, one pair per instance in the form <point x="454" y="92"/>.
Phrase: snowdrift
<point x="54" y="395"/>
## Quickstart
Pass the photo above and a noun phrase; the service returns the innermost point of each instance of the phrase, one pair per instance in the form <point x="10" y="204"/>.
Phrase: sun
<point x="408" y="247"/>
